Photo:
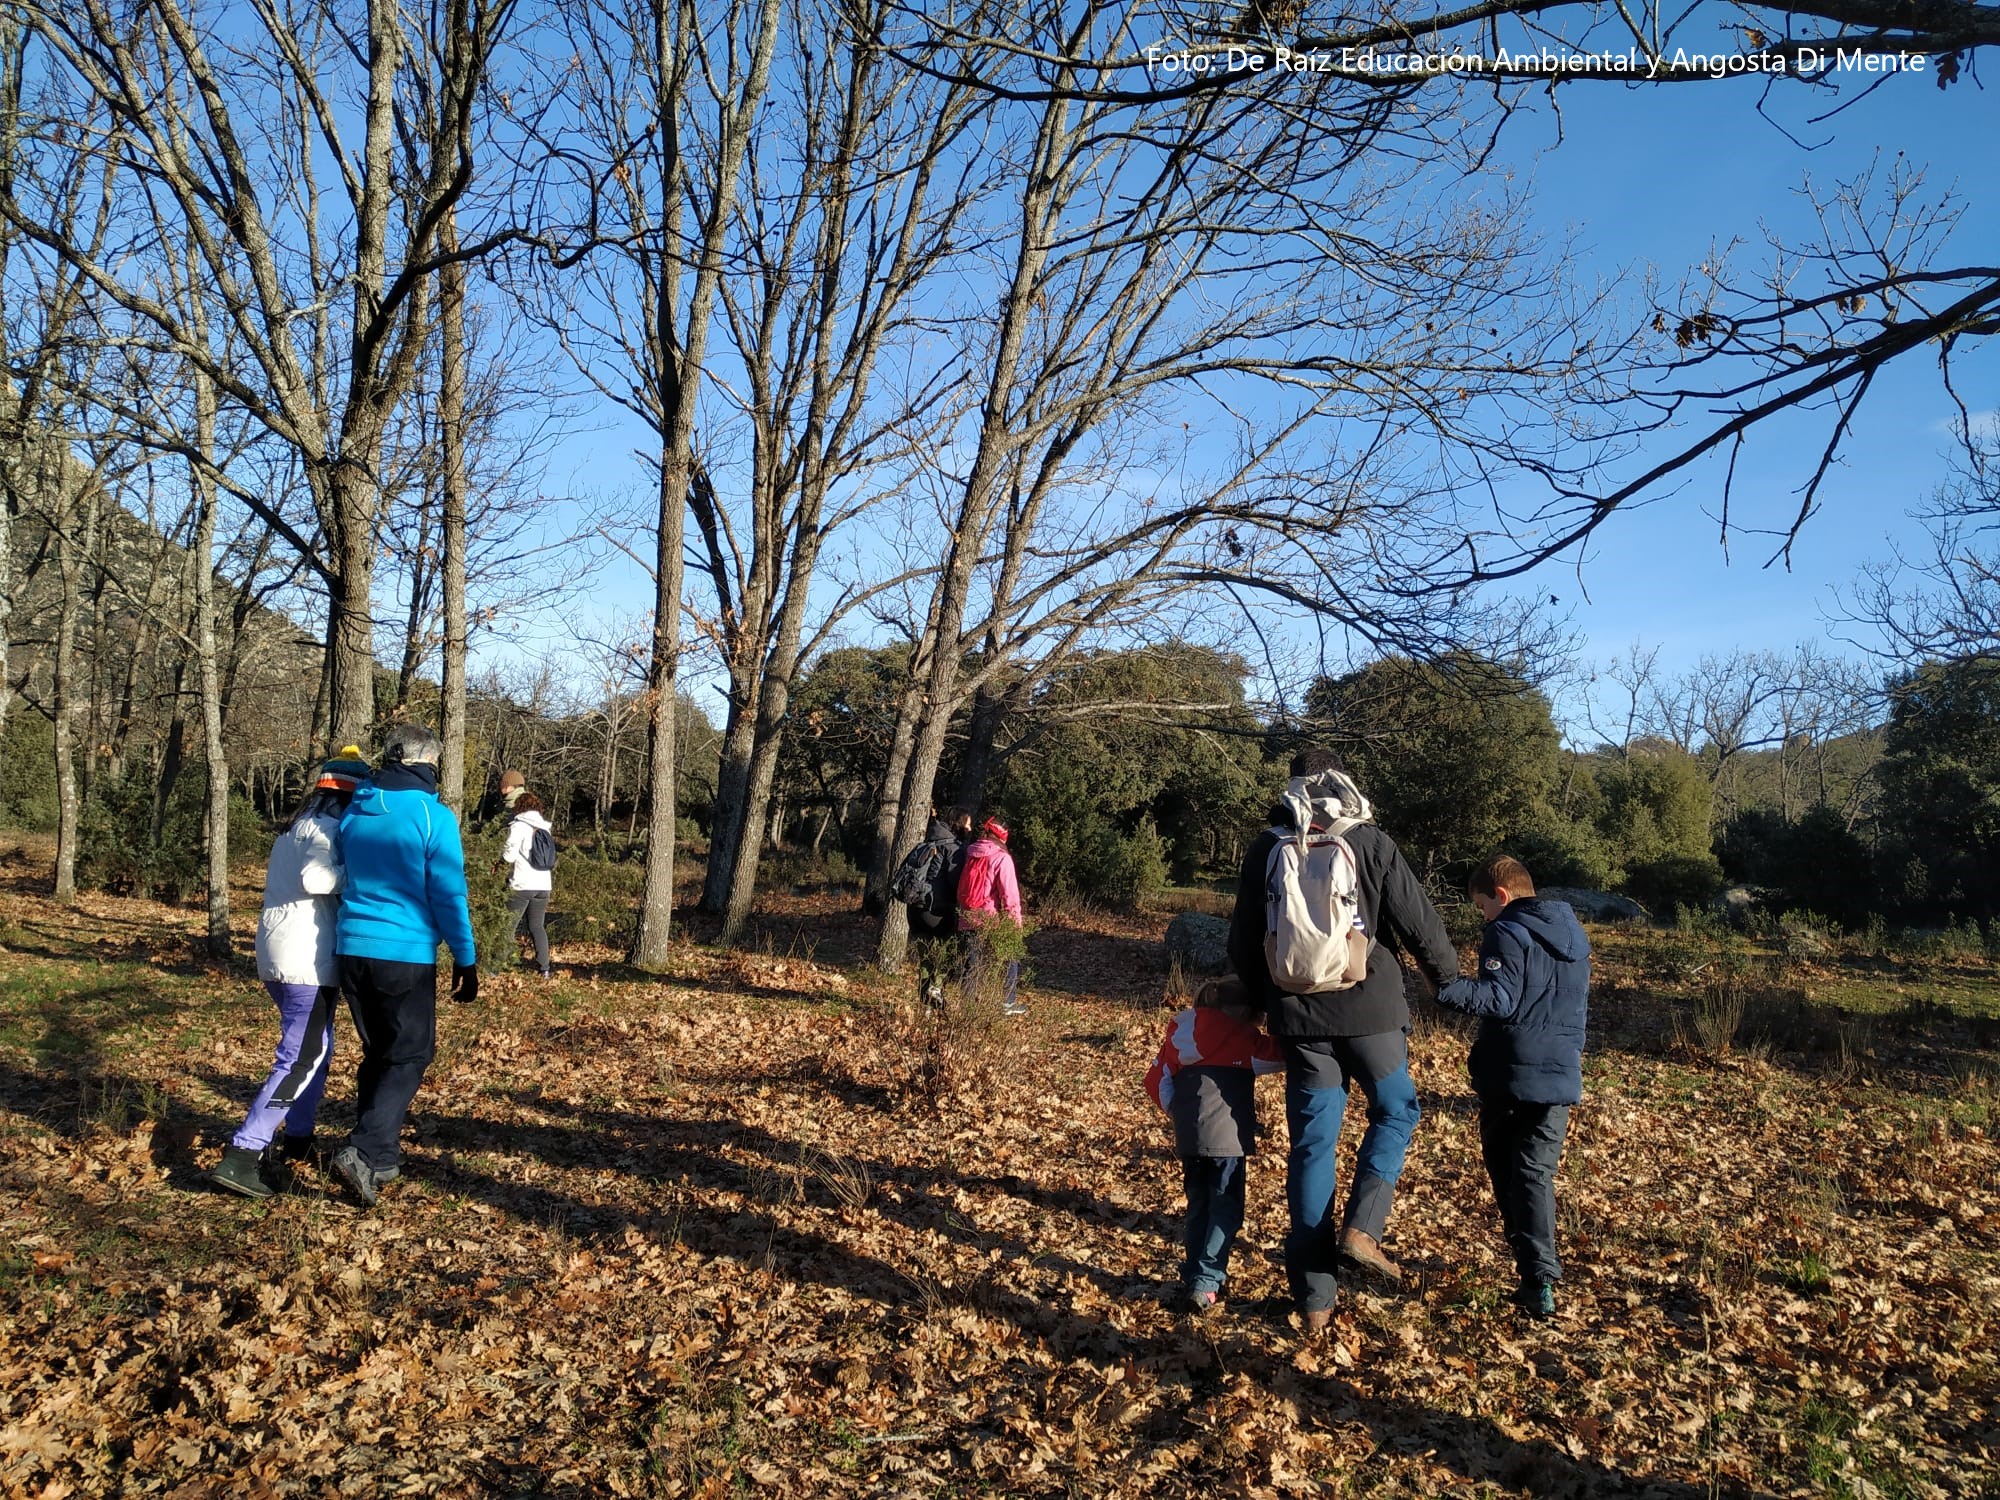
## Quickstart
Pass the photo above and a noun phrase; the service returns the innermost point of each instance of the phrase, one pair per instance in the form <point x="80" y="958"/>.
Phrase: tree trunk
<point x="656" y="898"/>
<point x="732" y="795"/>
<point x="210" y="680"/>
<point x="888" y="805"/>
<point x="452" y="440"/>
<point x="350" y="625"/>
<point x="63" y="696"/>
<point x="989" y="708"/>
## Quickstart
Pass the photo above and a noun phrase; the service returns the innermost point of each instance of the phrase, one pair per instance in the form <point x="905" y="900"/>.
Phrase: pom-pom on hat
<point x="995" y="827"/>
<point x="344" y="772"/>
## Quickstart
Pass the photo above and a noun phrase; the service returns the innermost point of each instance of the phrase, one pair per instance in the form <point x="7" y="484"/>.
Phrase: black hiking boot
<point x="239" y="1171"/>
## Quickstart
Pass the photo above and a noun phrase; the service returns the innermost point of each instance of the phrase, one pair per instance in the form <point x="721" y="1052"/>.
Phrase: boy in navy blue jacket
<point x="1527" y="1062"/>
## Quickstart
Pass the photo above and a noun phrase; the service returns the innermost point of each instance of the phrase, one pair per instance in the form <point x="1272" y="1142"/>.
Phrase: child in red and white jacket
<point x="1204" y="1078"/>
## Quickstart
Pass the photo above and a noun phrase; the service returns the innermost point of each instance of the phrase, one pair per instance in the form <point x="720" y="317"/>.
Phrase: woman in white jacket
<point x="528" y="884"/>
<point x="296" y="962"/>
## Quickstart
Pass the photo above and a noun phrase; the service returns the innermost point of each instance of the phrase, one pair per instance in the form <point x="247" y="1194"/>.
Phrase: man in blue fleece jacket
<point x="1527" y="1061"/>
<point x="405" y="895"/>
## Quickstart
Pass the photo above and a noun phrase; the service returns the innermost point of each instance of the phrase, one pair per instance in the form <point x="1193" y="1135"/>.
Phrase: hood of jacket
<point x="939" y="832"/>
<point x="535" y="820"/>
<point x="1550" y="923"/>
<point x="395" y="777"/>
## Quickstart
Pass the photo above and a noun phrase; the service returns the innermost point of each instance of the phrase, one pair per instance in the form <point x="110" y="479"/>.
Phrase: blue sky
<point x="1662" y="174"/>
<point x="1658" y="176"/>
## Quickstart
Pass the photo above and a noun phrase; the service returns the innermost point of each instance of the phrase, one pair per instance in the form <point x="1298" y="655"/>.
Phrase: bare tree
<point x="1229" y="250"/>
<point x="666" y="97"/>
<point x="830" y="274"/>
<point x="227" y="130"/>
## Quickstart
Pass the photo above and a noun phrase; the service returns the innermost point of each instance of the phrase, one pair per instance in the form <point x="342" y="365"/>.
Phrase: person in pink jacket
<point x="989" y="893"/>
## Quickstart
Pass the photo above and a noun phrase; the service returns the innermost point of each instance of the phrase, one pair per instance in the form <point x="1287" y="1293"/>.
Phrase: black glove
<point x="465" y="983"/>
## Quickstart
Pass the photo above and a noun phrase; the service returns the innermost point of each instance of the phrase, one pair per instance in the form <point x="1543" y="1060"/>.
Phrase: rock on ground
<point x="1200" y="942"/>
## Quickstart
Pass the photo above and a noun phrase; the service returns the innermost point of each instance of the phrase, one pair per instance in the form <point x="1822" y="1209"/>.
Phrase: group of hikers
<point x="1318" y="992"/>
<point x="962" y="894"/>
<point x="368" y="880"/>
<point x="364" y="884"/>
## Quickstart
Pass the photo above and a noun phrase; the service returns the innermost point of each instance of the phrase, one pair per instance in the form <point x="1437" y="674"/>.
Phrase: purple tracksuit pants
<point x="290" y="1096"/>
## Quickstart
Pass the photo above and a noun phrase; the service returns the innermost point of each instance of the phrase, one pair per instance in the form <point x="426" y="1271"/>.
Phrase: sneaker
<point x="1016" y="1009"/>
<point x="1203" y="1301"/>
<point x="238" y="1172"/>
<point x="1364" y="1252"/>
<point x="357" y="1174"/>
<point x="934" y="996"/>
<point x="1537" y="1299"/>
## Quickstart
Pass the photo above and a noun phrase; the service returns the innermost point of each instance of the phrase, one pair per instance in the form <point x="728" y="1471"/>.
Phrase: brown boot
<point x="1363" y="1250"/>
<point x="1317" y="1322"/>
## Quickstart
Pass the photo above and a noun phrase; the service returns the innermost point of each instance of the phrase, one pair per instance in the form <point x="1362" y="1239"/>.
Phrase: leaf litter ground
<point x="700" y="1236"/>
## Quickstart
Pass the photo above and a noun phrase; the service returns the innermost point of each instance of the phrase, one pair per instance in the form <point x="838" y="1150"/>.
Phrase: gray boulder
<point x="1200" y="942"/>
<point x="1596" y="906"/>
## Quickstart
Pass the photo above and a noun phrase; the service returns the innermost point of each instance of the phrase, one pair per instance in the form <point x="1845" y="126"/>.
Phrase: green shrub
<point x="1667" y="884"/>
<point x="115" y="846"/>
<point x="1092" y="858"/>
<point x="28" y="772"/>
<point x="1562" y="851"/>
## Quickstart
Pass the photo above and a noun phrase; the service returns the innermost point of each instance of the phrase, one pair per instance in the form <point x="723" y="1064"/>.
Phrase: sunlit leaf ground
<point x="705" y="1236"/>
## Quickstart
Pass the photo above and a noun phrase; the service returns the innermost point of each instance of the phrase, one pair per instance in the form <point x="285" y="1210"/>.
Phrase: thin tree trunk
<point x="452" y="435"/>
<point x="888" y="806"/>
<point x="13" y="408"/>
<point x="210" y="679"/>
<point x="68" y="808"/>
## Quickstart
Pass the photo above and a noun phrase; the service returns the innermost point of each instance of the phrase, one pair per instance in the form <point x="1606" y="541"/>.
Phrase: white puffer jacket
<point x="523" y="876"/>
<point x="301" y="900"/>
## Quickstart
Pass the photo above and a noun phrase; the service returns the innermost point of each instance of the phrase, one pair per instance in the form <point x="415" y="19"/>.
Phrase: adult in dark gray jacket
<point x="1342" y="1038"/>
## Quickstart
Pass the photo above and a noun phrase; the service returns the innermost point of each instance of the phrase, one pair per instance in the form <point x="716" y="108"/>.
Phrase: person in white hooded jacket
<point x="528" y="886"/>
<point x="296" y="962"/>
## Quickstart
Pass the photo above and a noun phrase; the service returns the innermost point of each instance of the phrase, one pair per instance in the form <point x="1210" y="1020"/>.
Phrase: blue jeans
<point x="291" y="1094"/>
<point x="1522" y="1144"/>
<point x="1319" y="1072"/>
<point x="1215" y="1213"/>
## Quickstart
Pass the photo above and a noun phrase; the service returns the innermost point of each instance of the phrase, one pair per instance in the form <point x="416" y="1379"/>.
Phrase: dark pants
<point x="394" y="1006"/>
<point x="534" y="905"/>
<point x="1522" y="1144"/>
<point x="1319" y="1072"/>
<point x="1214" y="1214"/>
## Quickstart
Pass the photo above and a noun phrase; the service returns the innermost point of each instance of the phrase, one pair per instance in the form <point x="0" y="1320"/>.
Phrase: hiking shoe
<point x="934" y="996"/>
<point x="1364" y="1251"/>
<point x="1199" y="1302"/>
<point x="238" y="1172"/>
<point x="1016" y="1009"/>
<point x="297" y="1148"/>
<point x="1537" y="1299"/>
<point x="357" y="1174"/>
<point x="1318" y="1321"/>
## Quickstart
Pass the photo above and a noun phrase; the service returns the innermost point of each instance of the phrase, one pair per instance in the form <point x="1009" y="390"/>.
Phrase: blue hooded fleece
<point x="405" y="890"/>
<point x="1531" y="989"/>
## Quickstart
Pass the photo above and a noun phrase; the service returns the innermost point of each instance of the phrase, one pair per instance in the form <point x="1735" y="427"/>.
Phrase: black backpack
<point x="541" y="850"/>
<point x="927" y="879"/>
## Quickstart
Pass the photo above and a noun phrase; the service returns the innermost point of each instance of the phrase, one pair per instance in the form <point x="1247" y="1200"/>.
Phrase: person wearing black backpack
<point x="927" y="883"/>
<point x="530" y="857"/>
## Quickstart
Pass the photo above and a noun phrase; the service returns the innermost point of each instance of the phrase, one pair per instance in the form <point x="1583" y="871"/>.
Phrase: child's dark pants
<point x="1215" y="1212"/>
<point x="1522" y="1144"/>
